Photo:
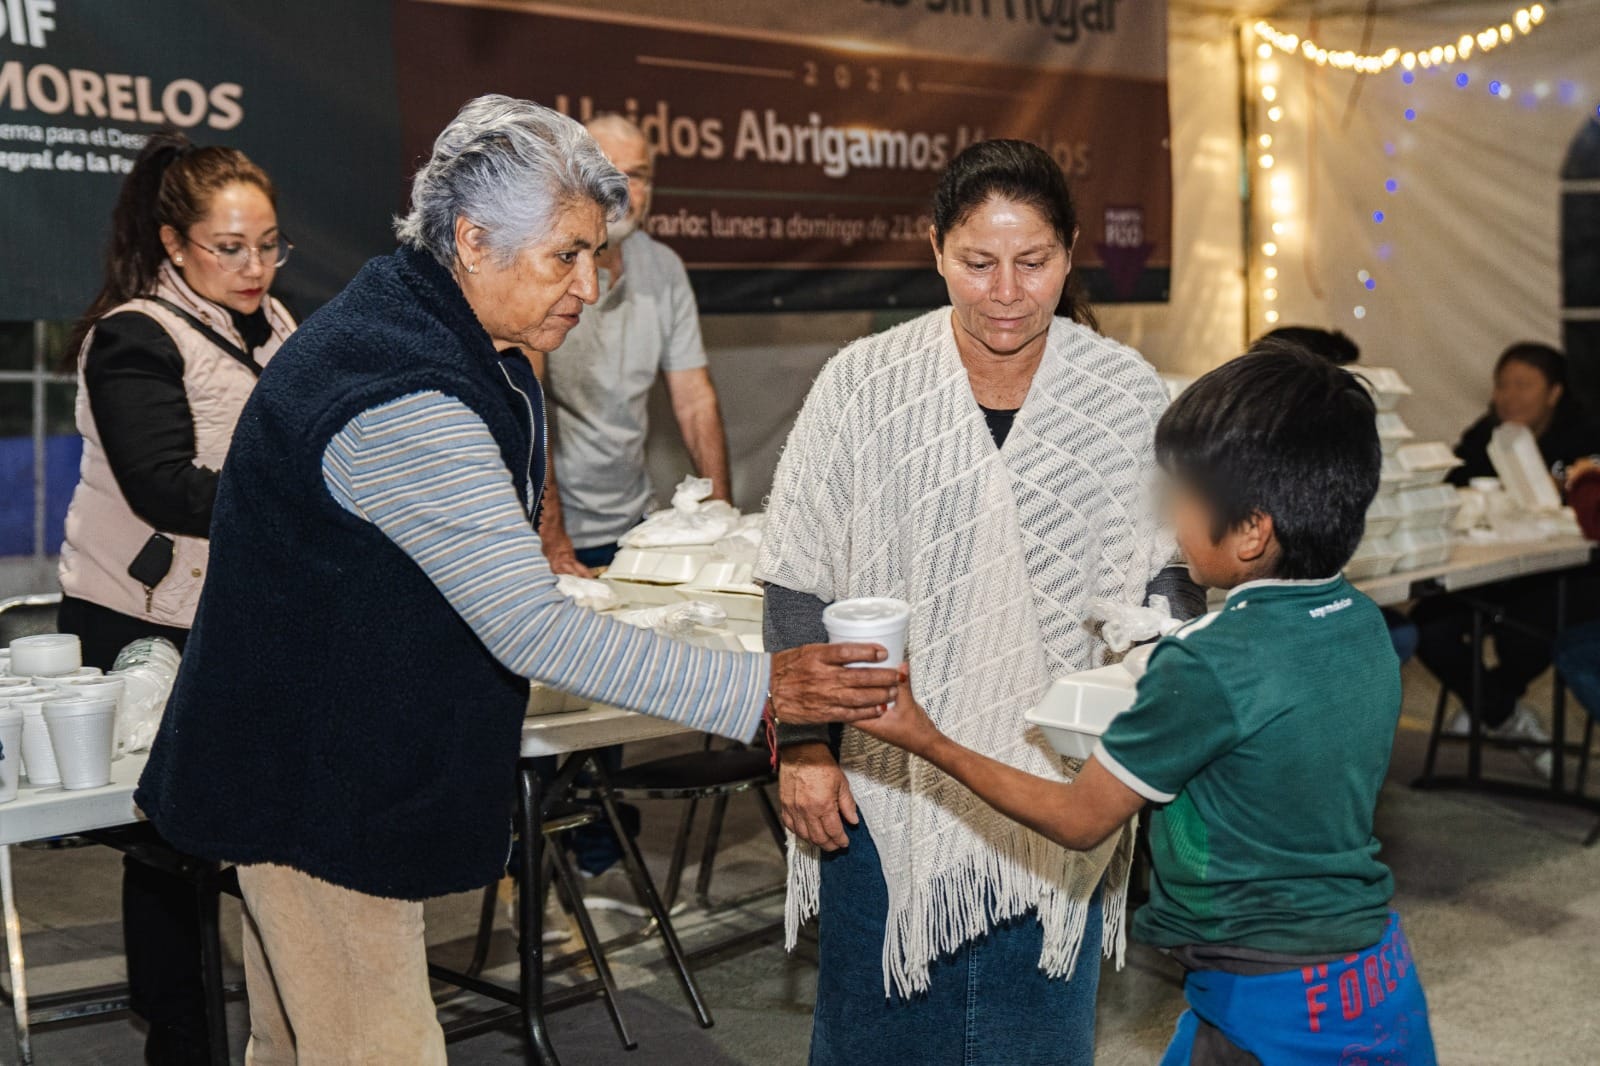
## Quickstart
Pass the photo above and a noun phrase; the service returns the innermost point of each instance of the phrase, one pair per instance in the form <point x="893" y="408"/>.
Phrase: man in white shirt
<point x="644" y="324"/>
<point x="598" y="384"/>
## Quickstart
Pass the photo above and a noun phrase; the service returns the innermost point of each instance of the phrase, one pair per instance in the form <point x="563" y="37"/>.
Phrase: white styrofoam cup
<point x="82" y="734"/>
<point x="870" y="620"/>
<point x="10" y="752"/>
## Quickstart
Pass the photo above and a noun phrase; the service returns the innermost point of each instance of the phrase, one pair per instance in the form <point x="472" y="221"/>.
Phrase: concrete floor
<point x="1500" y="901"/>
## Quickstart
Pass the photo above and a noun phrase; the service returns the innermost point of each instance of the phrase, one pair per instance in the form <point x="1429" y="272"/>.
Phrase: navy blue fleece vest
<point x="333" y="713"/>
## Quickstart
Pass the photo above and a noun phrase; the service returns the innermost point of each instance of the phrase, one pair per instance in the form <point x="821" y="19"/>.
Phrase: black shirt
<point x="1000" y="423"/>
<point x="1571" y="435"/>
<point x="134" y="376"/>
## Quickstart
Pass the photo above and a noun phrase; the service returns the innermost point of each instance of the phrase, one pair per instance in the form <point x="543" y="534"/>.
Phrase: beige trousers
<point x="335" y="977"/>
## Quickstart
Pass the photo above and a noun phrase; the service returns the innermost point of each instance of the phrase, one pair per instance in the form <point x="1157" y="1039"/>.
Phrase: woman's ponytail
<point x="134" y="254"/>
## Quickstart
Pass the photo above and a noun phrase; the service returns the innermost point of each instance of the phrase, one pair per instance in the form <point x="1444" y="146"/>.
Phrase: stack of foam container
<point x="1409" y="524"/>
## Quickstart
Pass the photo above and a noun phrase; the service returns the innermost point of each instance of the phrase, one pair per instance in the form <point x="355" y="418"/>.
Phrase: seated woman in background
<point x="1530" y="388"/>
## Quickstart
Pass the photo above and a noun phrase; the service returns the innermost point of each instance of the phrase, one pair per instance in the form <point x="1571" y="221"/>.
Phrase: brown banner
<point x="777" y="153"/>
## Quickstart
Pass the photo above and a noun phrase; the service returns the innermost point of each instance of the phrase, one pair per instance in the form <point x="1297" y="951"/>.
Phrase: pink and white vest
<point x="103" y="535"/>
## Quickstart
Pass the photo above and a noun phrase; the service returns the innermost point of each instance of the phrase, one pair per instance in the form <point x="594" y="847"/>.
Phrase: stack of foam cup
<point x="10" y="737"/>
<point x="870" y="620"/>
<point x="82" y="733"/>
<point x="38" y="757"/>
<point x="105" y="687"/>
<point x="57" y="680"/>
<point x="46" y="655"/>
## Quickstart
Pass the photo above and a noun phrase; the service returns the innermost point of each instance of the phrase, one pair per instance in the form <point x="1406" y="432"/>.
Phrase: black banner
<point x="812" y="193"/>
<point x="305" y="88"/>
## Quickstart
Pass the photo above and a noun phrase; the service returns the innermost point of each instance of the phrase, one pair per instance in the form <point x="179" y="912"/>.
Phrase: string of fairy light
<point x="1522" y="23"/>
<point x="1272" y="43"/>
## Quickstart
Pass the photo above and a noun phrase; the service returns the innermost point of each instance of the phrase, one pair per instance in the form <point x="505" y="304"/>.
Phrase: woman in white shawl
<point x="989" y="463"/>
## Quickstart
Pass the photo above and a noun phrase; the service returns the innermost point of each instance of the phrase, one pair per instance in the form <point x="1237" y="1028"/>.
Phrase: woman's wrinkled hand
<point x="815" y="683"/>
<point x="905" y="724"/>
<point x="814" y="796"/>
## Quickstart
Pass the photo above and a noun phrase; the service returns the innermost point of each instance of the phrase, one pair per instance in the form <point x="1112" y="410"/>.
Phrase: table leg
<point x="530" y="902"/>
<point x="1558" y="710"/>
<point x="208" y="899"/>
<point x="19" y="978"/>
<point x="633" y="862"/>
<point x="1475" y="705"/>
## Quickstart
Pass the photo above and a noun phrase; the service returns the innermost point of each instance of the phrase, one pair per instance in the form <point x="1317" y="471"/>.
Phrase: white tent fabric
<point x="1467" y="257"/>
<point x="1472" y="230"/>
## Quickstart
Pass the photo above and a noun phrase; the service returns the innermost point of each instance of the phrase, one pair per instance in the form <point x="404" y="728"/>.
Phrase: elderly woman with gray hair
<point x="345" y="725"/>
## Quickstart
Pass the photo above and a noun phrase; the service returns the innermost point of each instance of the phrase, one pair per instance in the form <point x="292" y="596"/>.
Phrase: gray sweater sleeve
<point x="1187" y="600"/>
<point x="788" y="620"/>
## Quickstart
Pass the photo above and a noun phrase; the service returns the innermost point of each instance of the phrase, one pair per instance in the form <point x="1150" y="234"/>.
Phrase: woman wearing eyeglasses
<point x="167" y="355"/>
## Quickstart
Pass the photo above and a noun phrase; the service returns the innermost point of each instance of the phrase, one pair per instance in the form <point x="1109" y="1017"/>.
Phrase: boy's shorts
<point x="1363" y="1010"/>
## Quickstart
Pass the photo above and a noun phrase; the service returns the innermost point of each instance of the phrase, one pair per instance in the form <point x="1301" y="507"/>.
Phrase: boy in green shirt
<point x="1261" y="733"/>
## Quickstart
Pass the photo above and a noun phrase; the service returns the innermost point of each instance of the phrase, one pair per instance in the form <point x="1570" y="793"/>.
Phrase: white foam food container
<point x="1425" y="463"/>
<point x="1076" y="710"/>
<point x="1391" y="476"/>
<point x="1374" y="557"/>
<point x="1422" y="547"/>
<point x="643" y="593"/>
<point x="1517" y="459"/>
<point x="1392" y="427"/>
<point x="1429" y="507"/>
<point x="542" y="700"/>
<point x="1383" y="517"/>
<point x="657" y="566"/>
<point x="1388" y="388"/>
<point x="725" y="575"/>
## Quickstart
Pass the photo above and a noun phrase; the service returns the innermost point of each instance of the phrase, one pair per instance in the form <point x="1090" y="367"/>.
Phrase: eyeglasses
<point x="235" y="257"/>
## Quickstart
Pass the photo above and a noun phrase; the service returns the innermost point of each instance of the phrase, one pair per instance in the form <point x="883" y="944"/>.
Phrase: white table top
<point x="593" y="727"/>
<point x="41" y="813"/>
<point x="1476" y="565"/>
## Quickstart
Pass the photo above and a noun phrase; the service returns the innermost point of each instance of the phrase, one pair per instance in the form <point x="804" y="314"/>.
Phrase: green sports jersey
<point x="1262" y="733"/>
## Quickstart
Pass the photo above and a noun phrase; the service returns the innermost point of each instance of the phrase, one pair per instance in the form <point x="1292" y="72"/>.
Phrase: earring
<point x="177" y="260"/>
<point x="472" y="269"/>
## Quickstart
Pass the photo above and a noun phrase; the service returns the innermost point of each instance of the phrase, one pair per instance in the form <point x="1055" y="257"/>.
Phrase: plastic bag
<point x="694" y="519"/>
<point x="586" y="592"/>
<point x="676" y="620"/>
<point x="743" y="545"/>
<point x="1124" y="624"/>
<point x="148" y="667"/>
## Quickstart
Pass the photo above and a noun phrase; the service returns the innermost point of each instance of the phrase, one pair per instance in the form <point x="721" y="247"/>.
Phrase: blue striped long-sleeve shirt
<point x="425" y="470"/>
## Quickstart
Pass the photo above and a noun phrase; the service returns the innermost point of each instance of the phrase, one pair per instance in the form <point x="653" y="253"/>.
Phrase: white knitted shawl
<point x="891" y="485"/>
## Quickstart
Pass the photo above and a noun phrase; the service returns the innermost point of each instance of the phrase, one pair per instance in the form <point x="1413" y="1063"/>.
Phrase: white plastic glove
<point x="1123" y="625"/>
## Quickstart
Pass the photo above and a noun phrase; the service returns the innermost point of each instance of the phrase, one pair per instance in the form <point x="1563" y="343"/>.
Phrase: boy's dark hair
<point x="1280" y="431"/>
<point x="1332" y="345"/>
